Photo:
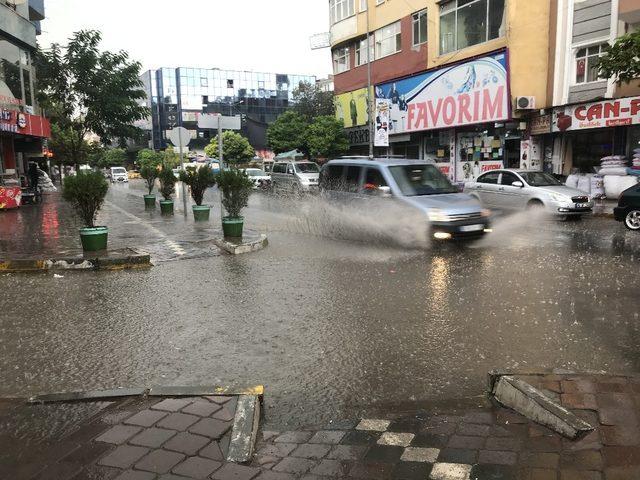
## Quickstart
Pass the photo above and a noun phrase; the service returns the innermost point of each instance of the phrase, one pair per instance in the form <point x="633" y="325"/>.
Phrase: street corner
<point x="118" y="259"/>
<point x="250" y="241"/>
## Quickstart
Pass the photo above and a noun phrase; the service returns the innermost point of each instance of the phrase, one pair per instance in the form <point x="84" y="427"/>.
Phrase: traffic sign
<point x="180" y="136"/>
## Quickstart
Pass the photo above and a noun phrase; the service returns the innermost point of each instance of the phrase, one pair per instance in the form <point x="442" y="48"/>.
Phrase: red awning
<point x="13" y="121"/>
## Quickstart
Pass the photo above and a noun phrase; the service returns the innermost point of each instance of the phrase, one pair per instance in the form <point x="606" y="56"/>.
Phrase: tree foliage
<point x="68" y="147"/>
<point x="235" y="187"/>
<point x="288" y="132"/>
<point x="85" y="90"/>
<point x="167" y="182"/>
<point x="170" y="158"/>
<point x="235" y="148"/>
<point x="326" y="137"/>
<point x="146" y="156"/>
<point x="622" y="59"/>
<point x="198" y="179"/>
<point x="311" y="101"/>
<point x="86" y="192"/>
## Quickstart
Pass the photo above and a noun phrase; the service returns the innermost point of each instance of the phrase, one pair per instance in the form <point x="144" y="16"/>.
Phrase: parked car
<point x="295" y="177"/>
<point x="133" y="175"/>
<point x="414" y="184"/>
<point x="517" y="190"/>
<point x="118" y="174"/>
<point x="628" y="209"/>
<point x="259" y="178"/>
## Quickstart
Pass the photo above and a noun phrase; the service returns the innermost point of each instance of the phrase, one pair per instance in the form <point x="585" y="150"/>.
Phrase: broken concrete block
<point x="534" y="405"/>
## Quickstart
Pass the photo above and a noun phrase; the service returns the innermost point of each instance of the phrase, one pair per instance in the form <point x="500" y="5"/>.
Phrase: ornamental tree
<point x="288" y="132"/>
<point x="621" y="60"/>
<point x="326" y="137"/>
<point x="235" y="148"/>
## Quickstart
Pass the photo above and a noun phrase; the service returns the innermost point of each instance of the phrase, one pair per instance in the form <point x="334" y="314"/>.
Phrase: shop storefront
<point x="21" y="136"/>
<point x="456" y="116"/>
<point x="587" y="133"/>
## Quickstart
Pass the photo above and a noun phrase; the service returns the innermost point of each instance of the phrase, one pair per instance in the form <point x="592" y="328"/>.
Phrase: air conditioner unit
<point x="525" y="103"/>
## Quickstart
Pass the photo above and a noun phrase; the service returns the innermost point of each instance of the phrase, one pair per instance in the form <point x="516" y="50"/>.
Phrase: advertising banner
<point x="469" y="171"/>
<point x="608" y="113"/>
<point x="381" y="138"/>
<point x="13" y="121"/>
<point x="351" y="107"/>
<point x="541" y="124"/>
<point x="472" y="92"/>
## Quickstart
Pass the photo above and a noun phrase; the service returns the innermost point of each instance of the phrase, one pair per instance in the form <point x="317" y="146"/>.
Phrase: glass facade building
<point x="176" y="95"/>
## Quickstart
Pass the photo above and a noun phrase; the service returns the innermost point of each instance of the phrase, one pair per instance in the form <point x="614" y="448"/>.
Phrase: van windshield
<point x="306" y="168"/>
<point x="118" y="170"/>
<point x="416" y="180"/>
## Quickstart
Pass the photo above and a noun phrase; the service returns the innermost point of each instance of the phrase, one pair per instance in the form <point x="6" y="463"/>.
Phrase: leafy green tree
<point x="288" y="132"/>
<point x="622" y="59"/>
<point x="170" y="158"/>
<point x="311" y="101"/>
<point x="101" y="157"/>
<point x="68" y="147"/>
<point x="235" y="148"/>
<point x="85" y="90"/>
<point x="326" y="137"/>
<point x="146" y="156"/>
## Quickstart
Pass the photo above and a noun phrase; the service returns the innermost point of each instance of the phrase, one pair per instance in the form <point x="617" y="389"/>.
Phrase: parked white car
<point x="259" y="177"/>
<point x="517" y="190"/>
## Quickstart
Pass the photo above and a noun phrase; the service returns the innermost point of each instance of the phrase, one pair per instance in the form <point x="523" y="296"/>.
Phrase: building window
<point x="363" y="5"/>
<point x="587" y="63"/>
<point x="361" y="51"/>
<point x="419" y="22"/>
<point x="388" y="40"/>
<point x="340" y="9"/>
<point x="229" y="83"/>
<point x="469" y="22"/>
<point x="341" y="60"/>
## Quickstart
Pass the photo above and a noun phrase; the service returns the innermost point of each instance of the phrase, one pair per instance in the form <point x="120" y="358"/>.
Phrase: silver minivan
<point x="295" y="177"/>
<point x="416" y="184"/>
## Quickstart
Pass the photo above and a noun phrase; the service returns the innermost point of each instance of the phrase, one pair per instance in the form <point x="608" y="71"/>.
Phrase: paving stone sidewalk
<point x="182" y="438"/>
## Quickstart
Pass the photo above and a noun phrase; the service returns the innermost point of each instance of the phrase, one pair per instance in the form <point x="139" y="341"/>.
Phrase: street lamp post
<point x="369" y="96"/>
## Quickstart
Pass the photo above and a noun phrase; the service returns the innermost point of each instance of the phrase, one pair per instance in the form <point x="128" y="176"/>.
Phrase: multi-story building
<point x="22" y="126"/>
<point x="593" y="116"/>
<point x="177" y="96"/>
<point x="454" y="72"/>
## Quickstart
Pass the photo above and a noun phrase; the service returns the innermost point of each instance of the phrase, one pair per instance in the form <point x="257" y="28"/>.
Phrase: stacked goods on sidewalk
<point x="612" y="179"/>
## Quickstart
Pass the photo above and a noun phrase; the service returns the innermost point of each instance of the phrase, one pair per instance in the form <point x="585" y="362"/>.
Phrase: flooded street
<point x="332" y="328"/>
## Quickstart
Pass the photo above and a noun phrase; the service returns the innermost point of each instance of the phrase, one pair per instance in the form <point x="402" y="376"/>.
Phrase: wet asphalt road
<point x="333" y="328"/>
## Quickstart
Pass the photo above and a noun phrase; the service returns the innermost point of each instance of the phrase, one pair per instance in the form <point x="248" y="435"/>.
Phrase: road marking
<point x="172" y="245"/>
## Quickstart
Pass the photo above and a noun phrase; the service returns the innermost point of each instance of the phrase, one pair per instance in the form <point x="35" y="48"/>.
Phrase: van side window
<point x="290" y="170"/>
<point x="352" y="178"/>
<point x="332" y="177"/>
<point x="373" y="179"/>
<point x="278" y="168"/>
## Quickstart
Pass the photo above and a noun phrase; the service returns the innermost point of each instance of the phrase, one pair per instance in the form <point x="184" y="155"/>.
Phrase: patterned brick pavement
<point x="188" y="438"/>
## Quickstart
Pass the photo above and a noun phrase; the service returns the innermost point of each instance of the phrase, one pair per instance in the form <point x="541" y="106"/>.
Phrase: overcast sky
<point x="268" y="36"/>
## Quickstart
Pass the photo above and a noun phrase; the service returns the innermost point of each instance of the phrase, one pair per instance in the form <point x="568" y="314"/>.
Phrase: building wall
<point x="17" y="27"/>
<point x="591" y="19"/>
<point x="527" y="38"/>
<point x="409" y="60"/>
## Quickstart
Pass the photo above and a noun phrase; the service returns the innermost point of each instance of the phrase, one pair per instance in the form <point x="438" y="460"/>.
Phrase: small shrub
<point x="86" y="192"/>
<point x="167" y="182"/>
<point x="198" y="179"/>
<point x="236" y="188"/>
<point x="149" y="172"/>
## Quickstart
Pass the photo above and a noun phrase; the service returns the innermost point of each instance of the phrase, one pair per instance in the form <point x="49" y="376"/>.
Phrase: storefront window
<point x="479" y="150"/>
<point x="589" y="147"/>
<point x="437" y="147"/>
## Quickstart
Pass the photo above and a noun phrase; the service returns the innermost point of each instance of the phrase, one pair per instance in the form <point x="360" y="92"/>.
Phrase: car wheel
<point x="535" y="205"/>
<point x="632" y="220"/>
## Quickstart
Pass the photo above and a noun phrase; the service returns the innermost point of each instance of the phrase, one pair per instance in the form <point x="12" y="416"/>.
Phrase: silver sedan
<point x="519" y="190"/>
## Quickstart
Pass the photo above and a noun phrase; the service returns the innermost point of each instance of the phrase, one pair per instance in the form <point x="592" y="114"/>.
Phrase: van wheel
<point x="632" y="220"/>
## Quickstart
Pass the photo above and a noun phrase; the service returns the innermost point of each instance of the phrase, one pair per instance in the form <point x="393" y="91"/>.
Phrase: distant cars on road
<point x="295" y="177"/>
<point x="518" y="190"/>
<point x="260" y="179"/>
<point x="628" y="209"/>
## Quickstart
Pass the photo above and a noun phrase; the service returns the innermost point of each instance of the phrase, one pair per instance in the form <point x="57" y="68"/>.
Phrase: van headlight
<point x="437" y="215"/>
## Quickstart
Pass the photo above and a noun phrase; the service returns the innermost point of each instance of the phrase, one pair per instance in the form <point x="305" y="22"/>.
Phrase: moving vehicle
<point x="259" y="178"/>
<point x="295" y="177"/>
<point x="517" y="190"/>
<point x="118" y="174"/>
<point x="415" y="184"/>
<point x="628" y="209"/>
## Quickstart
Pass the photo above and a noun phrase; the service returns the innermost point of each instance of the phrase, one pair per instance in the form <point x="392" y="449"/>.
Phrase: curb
<point x="122" y="259"/>
<point x="237" y="248"/>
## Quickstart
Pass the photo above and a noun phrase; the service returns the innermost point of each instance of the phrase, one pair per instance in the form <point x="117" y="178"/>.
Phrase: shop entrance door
<point x="512" y="153"/>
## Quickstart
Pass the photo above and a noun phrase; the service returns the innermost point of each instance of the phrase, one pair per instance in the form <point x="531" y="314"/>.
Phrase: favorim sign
<point x="471" y="92"/>
<point x="609" y="113"/>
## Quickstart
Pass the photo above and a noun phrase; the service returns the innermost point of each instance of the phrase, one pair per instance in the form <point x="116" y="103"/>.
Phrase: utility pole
<point x="184" y="187"/>
<point x="369" y="96"/>
<point x="220" y="140"/>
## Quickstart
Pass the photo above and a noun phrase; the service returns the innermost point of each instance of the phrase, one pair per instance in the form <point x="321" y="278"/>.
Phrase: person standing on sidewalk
<point x="34" y="175"/>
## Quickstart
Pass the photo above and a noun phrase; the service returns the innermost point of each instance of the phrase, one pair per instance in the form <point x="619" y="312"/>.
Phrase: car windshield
<point x="307" y="168"/>
<point x="254" y="172"/>
<point x="416" y="180"/>
<point x="118" y="170"/>
<point x="539" y="179"/>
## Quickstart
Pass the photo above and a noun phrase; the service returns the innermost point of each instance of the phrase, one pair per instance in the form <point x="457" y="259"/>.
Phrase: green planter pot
<point x="166" y="207"/>
<point x="149" y="201"/>
<point x="94" y="239"/>
<point x="201" y="213"/>
<point x="232" y="226"/>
